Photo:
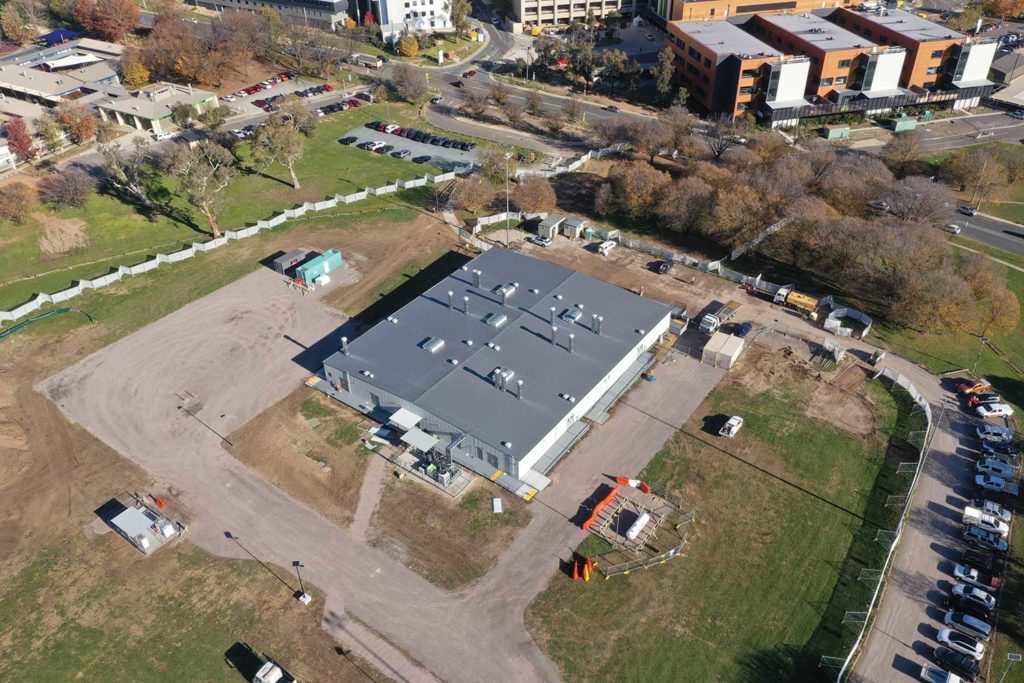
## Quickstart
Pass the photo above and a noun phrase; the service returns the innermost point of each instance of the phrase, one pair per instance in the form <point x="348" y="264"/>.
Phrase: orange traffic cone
<point x="590" y="564"/>
<point x="575" y="570"/>
<point x="586" y="573"/>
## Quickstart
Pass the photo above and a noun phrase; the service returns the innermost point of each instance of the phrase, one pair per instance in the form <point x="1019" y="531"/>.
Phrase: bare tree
<point x="69" y="187"/>
<point x="650" y="136"/>
<point x="474" y="103"/>
<point x="721" y="136"/>
<point x="683" y="203"/>
<point x="918" y="199"/>
<point x="534" y="194"/>
<point x="514" y="112"/>
<point x="609" y="131"/>
<point x="680" y="124"/>
<point x="409" y="82"/>
<point x="500" y="93"/>
<point x="903" y="149"/>
<point x="131" y="171"/>
<point x="203" y="172"/>
<point x="496" y="163"/>
<point x="637" y="186"/>
<point x="572" y="109"/>
<point x="534" y="103"/>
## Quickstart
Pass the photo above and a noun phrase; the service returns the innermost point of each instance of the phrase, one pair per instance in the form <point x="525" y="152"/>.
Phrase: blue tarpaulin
<point x="61" y="35"/>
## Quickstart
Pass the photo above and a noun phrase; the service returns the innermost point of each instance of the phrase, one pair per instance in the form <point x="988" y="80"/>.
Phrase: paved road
<point x="992" y="231"/>
<point x="240" y="350"/>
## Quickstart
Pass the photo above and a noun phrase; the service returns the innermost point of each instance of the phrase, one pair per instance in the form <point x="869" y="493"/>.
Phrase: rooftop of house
<point x="817" y="31"/>
<point x="901" y="21"/>
<point x="444" y="360"/>
<point x="725" y="38"/>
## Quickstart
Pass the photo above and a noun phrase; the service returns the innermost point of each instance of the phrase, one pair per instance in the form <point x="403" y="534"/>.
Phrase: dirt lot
<point x="451" y="543"/>
<point x="69" y="615"/>
<point x="309" y="447"/>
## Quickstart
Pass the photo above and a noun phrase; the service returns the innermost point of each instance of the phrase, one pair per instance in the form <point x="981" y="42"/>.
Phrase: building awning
<point x="132" y="522"/>
<point x="404" y="419"/>
<point x="61" y="35"/>
<point x="71" y="60"/>
<point x="419" y="439"/>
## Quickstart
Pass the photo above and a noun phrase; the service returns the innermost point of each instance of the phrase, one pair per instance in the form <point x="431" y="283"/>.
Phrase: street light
<point x="302" y="596"/>
<point x="508" y="155"/>
<point x="1012" y="657"/>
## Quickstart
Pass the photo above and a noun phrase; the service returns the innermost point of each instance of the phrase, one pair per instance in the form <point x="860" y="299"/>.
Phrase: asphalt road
<point x="993" y="231"/>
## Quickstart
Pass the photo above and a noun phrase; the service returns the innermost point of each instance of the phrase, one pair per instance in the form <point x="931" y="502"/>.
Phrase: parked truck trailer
<point x="712" y="321"/>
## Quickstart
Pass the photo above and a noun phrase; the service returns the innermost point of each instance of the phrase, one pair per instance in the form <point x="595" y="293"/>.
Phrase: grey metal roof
<point x="463" y="394"/>
<point x="817" y="31"/>
<point x="725" y="38"/>
<point x="907" y="23"/>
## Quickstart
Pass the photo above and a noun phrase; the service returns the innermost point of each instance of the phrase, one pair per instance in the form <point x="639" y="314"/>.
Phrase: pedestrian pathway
<point x="374" y="480"/>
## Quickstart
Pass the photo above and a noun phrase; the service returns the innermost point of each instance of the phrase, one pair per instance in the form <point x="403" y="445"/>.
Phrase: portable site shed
<point x="549" y="226"/>
<point x="315" y="268"/>
<point x="722" y="350"/>
<point x="573" y="228"/>
<point x="293" y="258"/>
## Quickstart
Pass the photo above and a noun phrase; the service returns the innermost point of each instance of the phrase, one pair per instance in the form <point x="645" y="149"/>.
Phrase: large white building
<point x="497" y="365"/>
<point x="398" y="17"/>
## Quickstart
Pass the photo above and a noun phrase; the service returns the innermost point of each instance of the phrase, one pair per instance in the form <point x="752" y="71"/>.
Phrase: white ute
<point x="272" y="673"/>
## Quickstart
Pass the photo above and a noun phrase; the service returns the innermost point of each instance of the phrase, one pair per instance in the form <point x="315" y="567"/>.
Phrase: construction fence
<point x="42" y="299"/>
<point x="573" y="165"/>
<point x="844" y="669"/>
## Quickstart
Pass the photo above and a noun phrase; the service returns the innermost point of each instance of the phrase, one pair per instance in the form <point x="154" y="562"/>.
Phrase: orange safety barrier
<point x="597" y="508"/>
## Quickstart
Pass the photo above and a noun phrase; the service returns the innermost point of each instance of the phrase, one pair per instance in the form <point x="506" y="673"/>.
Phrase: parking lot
<point x="244" y="105"/>
<point x="416" y="149"/>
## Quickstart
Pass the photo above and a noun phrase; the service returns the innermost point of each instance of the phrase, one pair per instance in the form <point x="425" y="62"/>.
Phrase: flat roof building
<point x="327" y="14"/>
<point x="500" y="361"/>
<point x="151" y="107"/>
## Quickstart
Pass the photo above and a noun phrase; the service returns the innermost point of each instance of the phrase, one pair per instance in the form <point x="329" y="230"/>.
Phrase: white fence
<point x="42" y="299"/>
<point x="573" y="165"/>
<point x="925" y="407"/>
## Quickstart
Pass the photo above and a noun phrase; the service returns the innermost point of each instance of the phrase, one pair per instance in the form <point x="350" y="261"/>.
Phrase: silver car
<point x="968" y="625"/>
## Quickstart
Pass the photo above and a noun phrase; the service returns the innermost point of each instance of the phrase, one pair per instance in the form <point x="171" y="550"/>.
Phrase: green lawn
<point x="1001" y="206"/>
<point x="770" y="567"/>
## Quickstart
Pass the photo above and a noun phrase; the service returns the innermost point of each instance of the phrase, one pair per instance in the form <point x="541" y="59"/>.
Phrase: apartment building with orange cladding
<point x="696" y="10"/>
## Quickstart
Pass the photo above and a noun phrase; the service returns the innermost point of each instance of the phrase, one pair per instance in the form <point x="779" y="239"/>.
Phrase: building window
<point x="743" y="106"/>
<point x="704" y="78"/>
<point x="840" y="80"/>
<point x="932" y="70"/>
<point x="479" y="453"/>
<point x="826" y="81"/>
<point x="929" y="84"/>
<point x="694" y="53"/>
<point x="707" y="63"/>
<point x="845" y="63"/>
<point x="937" y="54"/>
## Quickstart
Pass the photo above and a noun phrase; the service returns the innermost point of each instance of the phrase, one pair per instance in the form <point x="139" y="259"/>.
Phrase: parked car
<point x="967" y="210"/>
<point x="982" y="560"/>
<point x="742" y="330"/>
<point x="973" y="594"/>
<point x="974" y="386"/>
<point x="980" y="538"/>
<point x="983" y="399"/>
<point x="879" y="205"/>
<point x="347" y="140"/>
<point x="958" y="642"/>
<point x="952" y="228"/>
<point x="390" y="128"/>
<point x="992" y="508"/>
<point x="401" y="154"/>
<point x="612" y="108"/>
<point x="962" y="665"/>
<point x="975" y="577"/>
<point x="421" y="159"/>
<point x="994" y="410"/>
<point x="385" y="149"/>
<point x="436" y="100"/>
<point x="540" y="240"/>
<point x="999" y="468"/>
<point x="994" y="434"/>
<point x="457" y="84"/>
<point x="1018" y="114"/>
<point x="996" y="484"/>
<point x="968" y="606"/>
<point x="968" y="625"/>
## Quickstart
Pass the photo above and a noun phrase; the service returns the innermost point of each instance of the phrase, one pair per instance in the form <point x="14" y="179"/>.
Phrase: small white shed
<point x="573" y="228"/>
<point x="722" y="350"/>
<point x="549" y="226"/>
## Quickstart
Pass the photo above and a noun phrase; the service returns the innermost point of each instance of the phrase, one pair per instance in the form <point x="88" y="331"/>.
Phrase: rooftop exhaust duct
<point x="519" y="389"/>
<point x="465" y="305"/>
<point x="451" y="295"/>
<point x="476" y="278"/>
<point x="571" y="338"/>
<point x="344" y="346"/>
<point x="554" y="333"/>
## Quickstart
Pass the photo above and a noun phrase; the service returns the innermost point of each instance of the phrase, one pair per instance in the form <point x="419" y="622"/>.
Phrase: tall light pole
<point x="302" y="596"/>
<point x="1012" y="657"/>
<point x="508" y="155"/>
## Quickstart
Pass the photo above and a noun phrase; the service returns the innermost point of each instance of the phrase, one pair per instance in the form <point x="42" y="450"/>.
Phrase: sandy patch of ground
<point x="452" y="543"/>
<point x="308" y="455"/>
<point x="60" y="235"/>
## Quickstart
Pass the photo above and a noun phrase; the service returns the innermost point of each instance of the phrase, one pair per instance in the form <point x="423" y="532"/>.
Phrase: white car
<point x="390" y="128"/>
<point x="540" y="240"/>
<point x="958" y="642"/>
<point x="953" y="228"/>
<point x="994" y="410"/>
<point x="970" y="592"/>
<point x="967" y="210"/>
<point x="375" y="145"/>
<point x="998" y="468"/>
<point x="991" y="508"/>
<point x="318" y="112"/>
<point x="732" y="427"/>
<point x="991" y="523"/>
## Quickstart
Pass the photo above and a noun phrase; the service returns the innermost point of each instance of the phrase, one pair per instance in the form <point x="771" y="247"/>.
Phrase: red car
<point x="469" y="74"/>
<point x="328" y="87"/>
<point x="355" y="103"/>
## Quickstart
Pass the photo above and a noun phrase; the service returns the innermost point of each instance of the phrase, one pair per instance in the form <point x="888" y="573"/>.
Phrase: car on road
<point x="952" y="228"/>
<point x="994" y="433"/>
<point x="975" y="577"/>
<point x="994" y="410"/>
<point x="401" y="154"/>
<point x="436" y="100"/>
<point x="972" y="594"/>
<point x="968" y="625"/>
<point x="980" y="538"/>
<point x="612" y="108"/>
<point x="391" y="128"/>
<point x="469" y="74"/>
<point x="967" y="210"/>
<point x="879" y="205"/>
<point x="962" y="665"/>
<point x="958" y="642"/>
<point x="996" y="484"/>
<point x="1018" y="114"/>
<point x="457" y="84"/>
<point x="347" y="140"/>
<point x="540" y="240"/>
<point x="421" y="159"/>
<point x="992" y="508"/>
<point x="998" y="468"/>
<point x="384" y="149"/>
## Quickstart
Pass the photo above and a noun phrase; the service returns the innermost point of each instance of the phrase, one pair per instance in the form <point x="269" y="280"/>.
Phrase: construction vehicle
<point x="974" y="386"/>
<point x="271" y="672"/>
<point x="807" y="305"/>
<point x="710" y="323"/>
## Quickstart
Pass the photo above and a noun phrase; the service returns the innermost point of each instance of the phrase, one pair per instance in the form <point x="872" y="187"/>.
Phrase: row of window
<point x="838" y="80"/>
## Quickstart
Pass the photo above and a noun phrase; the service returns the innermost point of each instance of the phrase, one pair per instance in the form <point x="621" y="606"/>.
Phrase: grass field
<point x="95" y="610"/>
<point x="1009" y="204"/>
<point x="766" y="572"/>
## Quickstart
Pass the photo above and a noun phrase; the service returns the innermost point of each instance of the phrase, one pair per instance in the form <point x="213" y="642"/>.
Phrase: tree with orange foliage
<point x="111" y="19"/>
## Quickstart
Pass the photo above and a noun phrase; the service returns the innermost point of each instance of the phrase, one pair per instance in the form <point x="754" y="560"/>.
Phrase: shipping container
<point x="329" y="261"/>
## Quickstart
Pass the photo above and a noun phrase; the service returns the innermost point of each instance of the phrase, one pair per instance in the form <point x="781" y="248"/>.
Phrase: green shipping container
<point x="321" y="265"/>
<point x="902" y="124"/>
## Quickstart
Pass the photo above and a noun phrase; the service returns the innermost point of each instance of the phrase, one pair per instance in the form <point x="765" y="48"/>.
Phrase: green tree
<point x="203" y="172"/>
<point x="279" y="142"/>
<point x="460" y="11"/>
<point x="664" y="71"/>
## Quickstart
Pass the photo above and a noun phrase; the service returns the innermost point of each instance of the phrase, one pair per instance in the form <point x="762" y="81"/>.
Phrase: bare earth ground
<point x="451" y="543"/>
<point x="61" y="235"/>
<point x="301" y="459"/>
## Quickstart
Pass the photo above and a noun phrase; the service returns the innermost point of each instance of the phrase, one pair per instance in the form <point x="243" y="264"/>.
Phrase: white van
<point x="605" y="247"/>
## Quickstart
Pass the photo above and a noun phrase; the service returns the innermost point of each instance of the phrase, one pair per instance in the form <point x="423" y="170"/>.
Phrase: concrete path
<point x="245" y="347"/>
<point x="374" y="479"/>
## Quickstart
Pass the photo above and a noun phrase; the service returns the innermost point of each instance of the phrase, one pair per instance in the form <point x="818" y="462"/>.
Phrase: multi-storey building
<point x="547" y="12"/>
<point x="695" y="10"/>
<point x="398" y="17"/>
<point x="326" y="13"/>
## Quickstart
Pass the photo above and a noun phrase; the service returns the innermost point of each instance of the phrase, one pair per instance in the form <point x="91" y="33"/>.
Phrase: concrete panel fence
<point x="42" y="299"/>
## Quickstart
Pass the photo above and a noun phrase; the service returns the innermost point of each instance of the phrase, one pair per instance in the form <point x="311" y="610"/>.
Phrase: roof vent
<point x="495" y="319"/>
<point x="504" y="292"/>
<point x="501" y="376"/>
<point x="432" y="344"/>
<point x="571" y="315"/>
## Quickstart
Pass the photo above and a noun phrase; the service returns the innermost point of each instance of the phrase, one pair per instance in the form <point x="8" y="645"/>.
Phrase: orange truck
<point x="974" y="386"/>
